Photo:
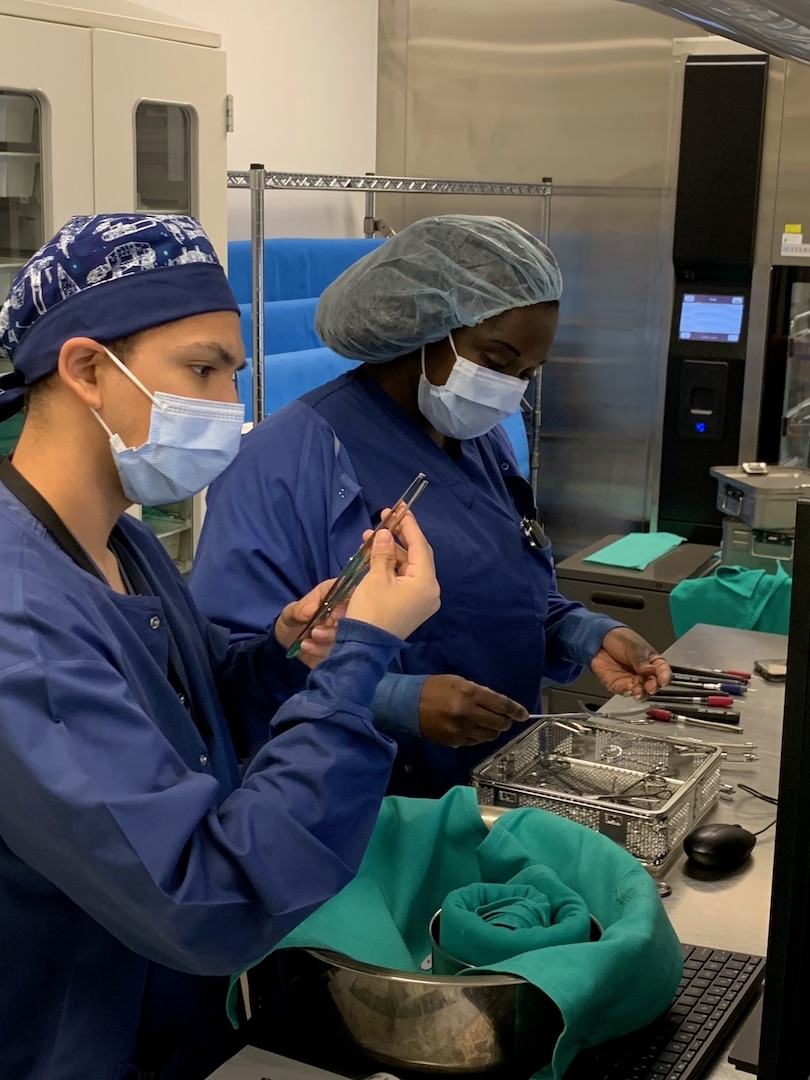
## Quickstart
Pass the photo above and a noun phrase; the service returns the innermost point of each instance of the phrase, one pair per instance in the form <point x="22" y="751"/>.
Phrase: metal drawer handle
<point x="620" y="600"/>
<point x="732" y="501"/>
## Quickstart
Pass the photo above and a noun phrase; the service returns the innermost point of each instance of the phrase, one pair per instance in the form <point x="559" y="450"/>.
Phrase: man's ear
<point x="79" y="360"/>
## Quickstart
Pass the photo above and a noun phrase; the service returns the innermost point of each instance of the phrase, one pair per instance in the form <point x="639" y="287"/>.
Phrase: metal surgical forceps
<point x="350" y="576"/>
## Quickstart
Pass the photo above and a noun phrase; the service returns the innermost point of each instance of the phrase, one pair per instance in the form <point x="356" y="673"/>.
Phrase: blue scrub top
<point x="138" y="866"/>
<point x="291" y="510"/>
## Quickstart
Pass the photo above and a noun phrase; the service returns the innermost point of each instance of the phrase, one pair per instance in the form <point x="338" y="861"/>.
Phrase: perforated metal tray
<point x="643" y="790"/>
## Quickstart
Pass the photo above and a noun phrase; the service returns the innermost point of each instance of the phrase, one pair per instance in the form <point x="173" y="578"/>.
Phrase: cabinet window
<point x="164" y="157"/>
<point x="21" y="217"/>
<point x="165" y="164"/>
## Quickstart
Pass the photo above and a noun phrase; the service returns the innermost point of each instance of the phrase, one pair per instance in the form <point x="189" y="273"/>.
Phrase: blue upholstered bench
<point x="296" y="271"/>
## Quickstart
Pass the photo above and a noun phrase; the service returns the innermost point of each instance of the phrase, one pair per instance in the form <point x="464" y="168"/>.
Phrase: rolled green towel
<point x="486" y="923"/>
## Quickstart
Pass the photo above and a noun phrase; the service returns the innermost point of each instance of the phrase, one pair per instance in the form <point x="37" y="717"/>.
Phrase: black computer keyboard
<point x="715" y="990"/>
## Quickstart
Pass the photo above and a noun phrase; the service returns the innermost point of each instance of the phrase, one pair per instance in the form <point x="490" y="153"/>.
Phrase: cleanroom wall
<point x="582" y="91"/>
<point x="303" y="75"/>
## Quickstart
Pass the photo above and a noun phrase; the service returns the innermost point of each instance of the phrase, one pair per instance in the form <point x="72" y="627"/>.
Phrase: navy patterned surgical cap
<point x="105" y="277"/>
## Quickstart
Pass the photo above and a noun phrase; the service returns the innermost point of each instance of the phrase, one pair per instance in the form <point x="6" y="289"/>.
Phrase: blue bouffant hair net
<point x="436" y="275"/>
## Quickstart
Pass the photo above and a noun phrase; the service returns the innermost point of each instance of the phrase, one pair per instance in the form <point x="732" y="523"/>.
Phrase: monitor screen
<point x="711" y="317"/>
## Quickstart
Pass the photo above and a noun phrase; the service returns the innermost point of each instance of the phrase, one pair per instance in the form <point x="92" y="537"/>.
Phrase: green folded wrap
<point x="636" y="550"/>
<point x="422" y="850"/>
<point x="733" y="596"/>
<point x="486" y="923"/>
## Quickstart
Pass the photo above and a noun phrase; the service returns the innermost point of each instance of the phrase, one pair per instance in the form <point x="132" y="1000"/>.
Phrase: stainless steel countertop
<point x="253" y="1064"/>
<point x="729" y="912"/>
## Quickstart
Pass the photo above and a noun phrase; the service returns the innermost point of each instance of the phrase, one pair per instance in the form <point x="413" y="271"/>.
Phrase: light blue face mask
<point x="472" y="401"/>
<point x="190" y="443"/>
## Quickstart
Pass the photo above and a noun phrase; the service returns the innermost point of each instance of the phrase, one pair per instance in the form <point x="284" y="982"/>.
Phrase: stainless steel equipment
<point x="579" y="90"/>
<point x="765" y="500"/>
<point x="440" y="1023"/>
<point x="795" y="446"/>
<point x="643" y="791"/>
<point x="756" y="549"/>
<point x="759" y="514"/>
<point x="591" y="92"/>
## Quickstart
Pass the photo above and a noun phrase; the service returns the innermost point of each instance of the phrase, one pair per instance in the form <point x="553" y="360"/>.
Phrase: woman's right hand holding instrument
<point x="456" y="712"/>
<point x="400" y="590"/>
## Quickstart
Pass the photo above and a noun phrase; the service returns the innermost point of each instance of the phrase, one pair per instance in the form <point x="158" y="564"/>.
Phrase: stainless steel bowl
<point x="440" y="1023"/>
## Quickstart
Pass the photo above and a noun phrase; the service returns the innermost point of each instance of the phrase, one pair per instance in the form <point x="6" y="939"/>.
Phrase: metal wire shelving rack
<point x="258" y="180"/>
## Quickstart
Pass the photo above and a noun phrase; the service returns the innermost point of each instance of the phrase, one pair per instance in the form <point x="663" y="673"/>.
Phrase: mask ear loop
<point x="138" y="383"/>
<point x="455" y="354"/>
<point x="103" y="424"/>
<point x="424" y="373"/>
<point x="134" y="378"/>
<point x="453" y="344"/>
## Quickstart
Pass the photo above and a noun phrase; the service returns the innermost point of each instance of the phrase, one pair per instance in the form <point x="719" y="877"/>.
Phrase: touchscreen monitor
<point x="711" y="317"/>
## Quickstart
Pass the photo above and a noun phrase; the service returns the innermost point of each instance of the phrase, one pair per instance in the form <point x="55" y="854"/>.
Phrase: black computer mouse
<point x="718" y="846"/>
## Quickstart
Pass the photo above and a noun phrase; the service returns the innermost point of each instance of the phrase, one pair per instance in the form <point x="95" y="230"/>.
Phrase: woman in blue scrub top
<point x="451" y="319"/>
<point x="139" y="864"/>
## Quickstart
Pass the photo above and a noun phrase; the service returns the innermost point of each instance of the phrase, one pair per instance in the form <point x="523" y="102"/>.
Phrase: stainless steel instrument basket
<point x="643" y="790"/>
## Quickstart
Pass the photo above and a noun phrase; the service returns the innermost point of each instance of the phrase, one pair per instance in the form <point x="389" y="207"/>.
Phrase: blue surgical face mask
<point x="190" y="443"/>
<point x="472" y="401"/>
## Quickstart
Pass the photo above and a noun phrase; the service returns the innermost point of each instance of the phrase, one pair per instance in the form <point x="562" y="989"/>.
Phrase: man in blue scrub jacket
<point x="451" y="319"/>
<point x="139" y="866"/>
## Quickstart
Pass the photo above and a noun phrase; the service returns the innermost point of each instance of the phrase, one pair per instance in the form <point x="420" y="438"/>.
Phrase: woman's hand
<point x="295" y="616"/>
<point x="397" y="594"/>
<point x="629" y="665"/>
<point x="456" y="712"/>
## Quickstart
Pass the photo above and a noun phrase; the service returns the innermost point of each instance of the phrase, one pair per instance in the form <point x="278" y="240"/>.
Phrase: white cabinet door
<point x="46" y="145"/>
<point x="160" y="146"/>
<point x="50" y="63"/>
<point x="159" y="137"/>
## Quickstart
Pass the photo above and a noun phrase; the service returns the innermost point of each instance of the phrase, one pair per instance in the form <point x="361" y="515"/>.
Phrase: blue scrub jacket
<point x="291" y="509"/>
<point x="138" y="868"/>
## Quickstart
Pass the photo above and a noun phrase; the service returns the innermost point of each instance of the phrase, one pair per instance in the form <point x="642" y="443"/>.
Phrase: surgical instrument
<point x="712" y="701"/>
<point x="349" y="578"/>
<point x="683" y="691"/>
<point x="711" y="673"/>
<point x="681" y="718"/>
<point x="725" y="686"/>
